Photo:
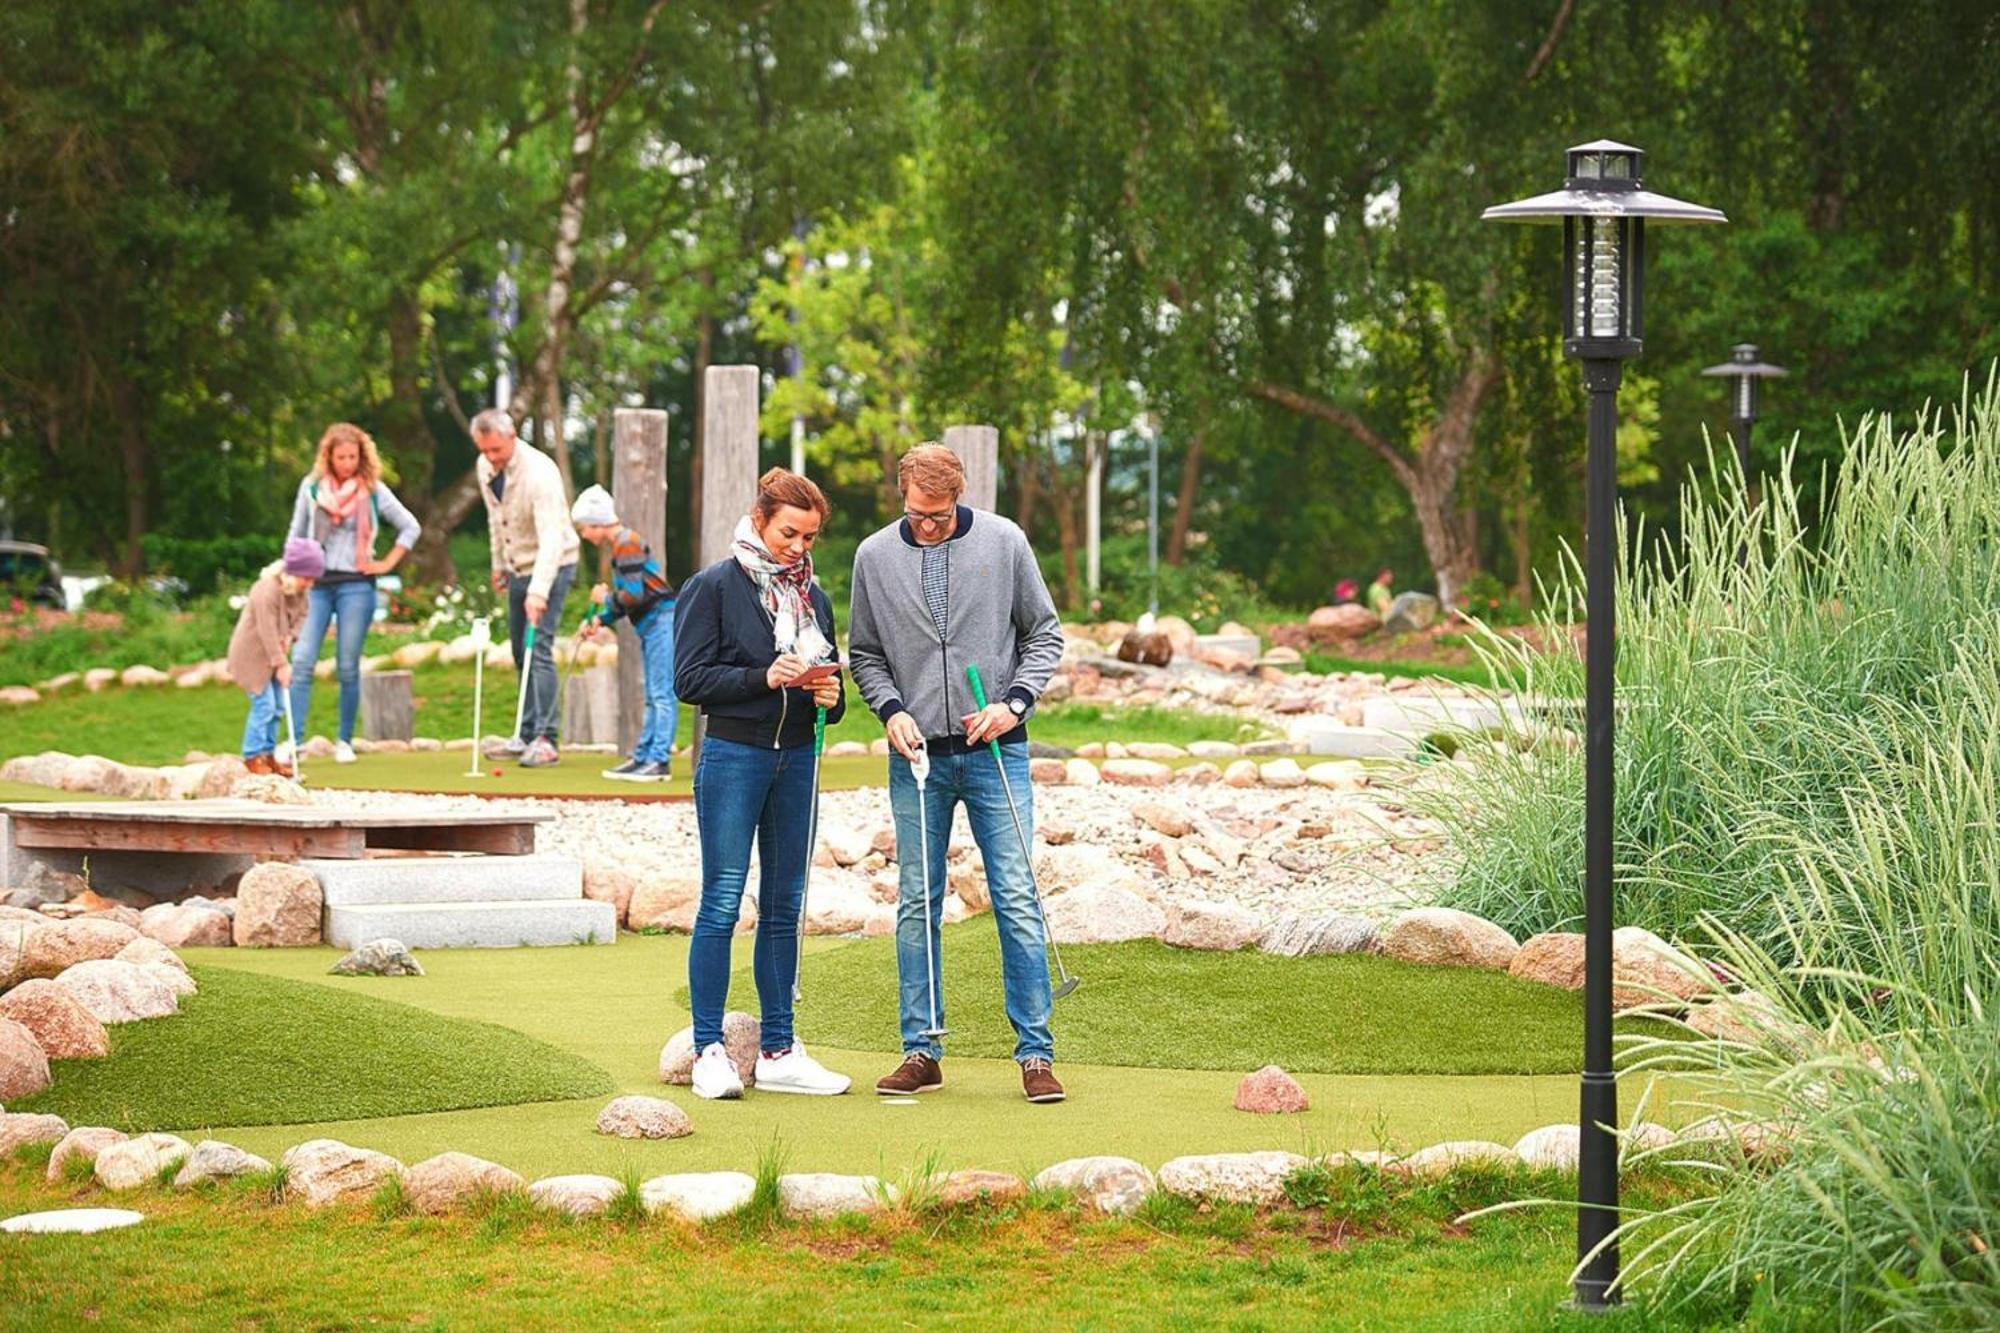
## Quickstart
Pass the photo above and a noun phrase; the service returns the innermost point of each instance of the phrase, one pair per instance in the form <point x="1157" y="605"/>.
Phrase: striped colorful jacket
<point x="638" y="584"/>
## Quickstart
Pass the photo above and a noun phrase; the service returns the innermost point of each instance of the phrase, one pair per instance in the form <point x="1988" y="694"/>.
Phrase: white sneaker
<point x="795" y="1071"/>
<point x="715" y="1074"/>
<point x="282" y="752"/>
<point x="343" y="753"/>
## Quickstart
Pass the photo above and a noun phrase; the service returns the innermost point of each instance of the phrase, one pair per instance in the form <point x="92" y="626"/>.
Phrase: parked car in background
<point x="28" y="572"/>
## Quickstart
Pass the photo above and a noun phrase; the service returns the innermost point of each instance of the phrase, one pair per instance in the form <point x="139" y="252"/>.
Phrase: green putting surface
<point x="614" y="1007"/>
<point x="578" y="775"/>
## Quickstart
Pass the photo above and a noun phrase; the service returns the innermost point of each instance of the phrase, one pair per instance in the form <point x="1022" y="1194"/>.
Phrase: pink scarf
<point x="349" y="500"/>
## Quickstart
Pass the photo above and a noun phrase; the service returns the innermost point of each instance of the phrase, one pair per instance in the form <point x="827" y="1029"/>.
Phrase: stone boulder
<point x="740" y="1034"/>
<point x="1240" y="773"/>
<point x="212" y="1159"/>
<point x="1411" y="613"/>
<point x="665" y="901"/>
<point x="1271" y="1091"/>
<point x="143" y="675"/>
<point x="1554" y="958"/>
<point x="1335" y="624"/>
<point x="644" y="1118"/>
<point x="61" y="1026"/>
<point x="90" y="773"/>
<point x="1221" y="927"/>
<point x="1550" y="1148"/>
<point x="1080" y="773"/>
<point x="1255" y="1178"/>
<point x="1338" y="775"/>
<point x="1310" y="934"/>
<point x="1169" y="820"/>
<point x="379" y="958"/>
<point x="1136" y="773"/>
<point x="450" y="1180"/>
<point x="579" y="1196"/>
<point x="837" y="903"/>
<point x="14" y="948"/>
<point x="151" y="953"/>
<point x="118" y="992"/>
<point x="824" y="1194"/>
<point x="179" y="926"/>
<point x="61" y="945"/>
<point x="320" y="1172"/>
<point x="1106" y="1184"/>
<point x="177" y="979"/>
<point x="1282" y="773"/>
<point x="136" y="1162"/>
<point x="220" y="777"/>
<point x="24" y="1065"/>
<point x="698" y="1196"/>
<point x="36" y="770"/>
<point x="1103" y="914"/>
<point x="1646" y="970"/>
<point x="1447" y="937"/>
<point x="271" y="789"/>
<point x="1751" y="1018"/>
<point x="1147" y="649"/>
<point x="963" y="1188"/>
<point x="18" y="1129"/>
<point x="278" y="907"/>
<point x="1441" y="1159"/>
<point x="608" y="882"/>
<point x="81" y="1144"/>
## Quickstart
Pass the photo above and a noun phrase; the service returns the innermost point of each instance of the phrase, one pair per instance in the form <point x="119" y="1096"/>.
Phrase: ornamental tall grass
<point x="1765" y="671"/>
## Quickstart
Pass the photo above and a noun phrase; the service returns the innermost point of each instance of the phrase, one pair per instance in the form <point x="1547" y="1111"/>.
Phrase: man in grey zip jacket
<point x="940" y="589"/>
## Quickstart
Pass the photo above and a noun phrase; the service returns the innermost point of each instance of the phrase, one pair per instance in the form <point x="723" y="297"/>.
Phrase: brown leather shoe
<point x="283" y="769"/>
<point x="917" y="1073"/>
<point x="261" y="765"/>
<point x="1038" y="1081"/>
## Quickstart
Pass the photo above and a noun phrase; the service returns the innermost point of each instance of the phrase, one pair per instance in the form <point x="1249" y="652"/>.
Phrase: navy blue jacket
<point x="722" y="649"/>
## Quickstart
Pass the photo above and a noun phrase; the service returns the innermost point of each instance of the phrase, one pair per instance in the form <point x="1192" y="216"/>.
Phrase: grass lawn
<point x="1375" y="1257"/>
<point x="252" y="1049"/>
<point x="1145" y="1003"/>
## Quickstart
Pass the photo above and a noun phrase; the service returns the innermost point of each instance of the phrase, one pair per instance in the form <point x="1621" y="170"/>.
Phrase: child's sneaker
<point x="282" y="753"/>
<point x="625" y="772"/>
<point x="654" y="773"/>
<point x="795" y="1071"/>
<point x="715" y="1074"/>
<point x="541" y="754"/>
<point x="343" y="753"/>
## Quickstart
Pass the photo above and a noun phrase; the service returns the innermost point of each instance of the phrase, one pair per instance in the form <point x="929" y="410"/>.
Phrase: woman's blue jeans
<point x="351" y="607"/>
<point x="744" y="794"/>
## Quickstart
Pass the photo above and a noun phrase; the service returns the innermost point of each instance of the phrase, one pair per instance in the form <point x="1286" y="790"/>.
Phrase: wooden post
<point x="388" y="707"/>
<point x="978" y="448"/>
<point x="639" y="490"/>
<point x="728" y="469"/>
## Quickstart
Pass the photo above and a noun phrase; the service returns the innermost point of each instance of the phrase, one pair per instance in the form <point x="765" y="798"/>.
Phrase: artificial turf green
<point x="260" y="1050"/>
<point x="1146" y="1004"/>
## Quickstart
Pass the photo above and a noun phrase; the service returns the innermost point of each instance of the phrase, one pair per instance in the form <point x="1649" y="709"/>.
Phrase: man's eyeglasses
<point x="928" y="520"/>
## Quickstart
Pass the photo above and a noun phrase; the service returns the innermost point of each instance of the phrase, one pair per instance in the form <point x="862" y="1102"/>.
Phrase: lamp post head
<point x="1604" y="207"/>
<point x="1744" y="367"/>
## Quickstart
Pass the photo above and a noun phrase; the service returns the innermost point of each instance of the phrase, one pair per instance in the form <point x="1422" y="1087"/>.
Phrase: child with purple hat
<point x="260" y="651"/>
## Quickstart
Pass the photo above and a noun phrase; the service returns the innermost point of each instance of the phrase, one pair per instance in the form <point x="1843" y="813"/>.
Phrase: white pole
<point x="1093" y="510"/>
<point x="482" y="639"/>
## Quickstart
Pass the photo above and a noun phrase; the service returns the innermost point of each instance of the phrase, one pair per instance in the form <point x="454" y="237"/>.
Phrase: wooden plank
<point x="495" y="839"/>
<point x="96" y="835"/>
<point x="257" y="813"/>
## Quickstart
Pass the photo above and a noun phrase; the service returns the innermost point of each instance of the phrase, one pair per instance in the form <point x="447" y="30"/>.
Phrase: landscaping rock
<point x="89" y="773"/>
<point x="151" y="953"/>
<point x="848" y="845"/>
<point x="19" y="1129"/>
<point x="1282" y="773"/>
<point x="607" y="882"/>
<point x="1256" y="1178"/>
<point x="1271" y="1091"/>
<point x="823" y="1194"/>
<point x="1411" y="613"/>
<point x="277" y="907"/>
<point x="1242" y="773"/>
<point x="14" y="947"/>
<point x="1447" y="937"/>
<point x="271" y="790"/>
<point x="1554" y="958"/>
<point x="179" y="926"/>
<point x="1441" y="1159"/>
<point x="1646" y="970"/>
<point x="1081" y="773"/>
<point x="740" y="1035"/>
<point x="1751" y="1018"/>
<point x="97" y="679"/>
<point x="962" y="1188"/>
<point x="1103" y="914"/>
<point x="698" y="1196"/>
<point x="1136" y="773"/>
<point x="1223" y="927"/>
<point x="1332" y="624"/>
<point x="1050" y="772"/>
<point x="118" y="992"/>
<point x="1304" y="935"/>
<point x="36" y="770"/>
<point x="136" y="1162"/>
<point x="61" y="1026"/>
<point x="1338" y="775"/>
<point x="379" y="958"/>
<point x="177" y="979"/>
<point x="141" y="675"/>
<point x="1107" y="1184"/>
<point x="212" y="1159"/>
<point x="61" y="945"/>
<point x="81" y="1144"/>
<point x="451" y="1180"/>
<point x="1550" y="1148"/>
<point x="220" y="777"/>
<point x="1165" y="819"/>
<point x="24" y="1066"/>
<point x="320" y="1172"/>
<point x="668" y="901"/>
<point x="579" y="1196"/>
<point x="644" y="1118"/>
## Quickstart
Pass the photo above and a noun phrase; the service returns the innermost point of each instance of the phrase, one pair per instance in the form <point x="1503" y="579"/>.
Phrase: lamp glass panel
<point x="1605" y="278"/>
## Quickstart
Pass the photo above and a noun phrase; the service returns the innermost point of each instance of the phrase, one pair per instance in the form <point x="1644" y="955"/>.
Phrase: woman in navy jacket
<point x="744" y="629"/>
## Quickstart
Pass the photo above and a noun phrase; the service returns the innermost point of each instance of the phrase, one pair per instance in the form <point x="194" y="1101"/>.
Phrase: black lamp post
<point x="1744" y="367"/>
<point x="1604" y="210"/>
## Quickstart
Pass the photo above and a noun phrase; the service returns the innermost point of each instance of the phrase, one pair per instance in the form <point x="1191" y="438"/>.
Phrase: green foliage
<point x="1202" y="591"/>
<point x="210" y="564"/>
<point x="148" y="631"/>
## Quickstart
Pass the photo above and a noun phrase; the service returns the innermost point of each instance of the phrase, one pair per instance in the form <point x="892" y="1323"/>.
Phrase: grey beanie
<point x="593" y="507"/>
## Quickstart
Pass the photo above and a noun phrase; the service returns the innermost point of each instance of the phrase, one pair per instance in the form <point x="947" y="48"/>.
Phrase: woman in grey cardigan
<point x="341" y="504"/>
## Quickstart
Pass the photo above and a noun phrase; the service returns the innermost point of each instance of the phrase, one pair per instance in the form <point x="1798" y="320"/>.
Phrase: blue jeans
<point x="540" y="709"/>
<point x="745" y="792"/>
<point x="267" y="716"/>
<point x="656" y="647"/>
<point x="350" y="607"/>
<point x="971" y="780"/>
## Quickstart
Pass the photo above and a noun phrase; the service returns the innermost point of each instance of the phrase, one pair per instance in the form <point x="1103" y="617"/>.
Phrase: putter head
<point x="1067" y="985"/>
<point x="935" y="1033"/>
<point x="797" y="994"/>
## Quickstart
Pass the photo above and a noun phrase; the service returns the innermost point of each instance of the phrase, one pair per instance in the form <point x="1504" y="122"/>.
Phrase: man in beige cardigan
<point x="534" y="550"/>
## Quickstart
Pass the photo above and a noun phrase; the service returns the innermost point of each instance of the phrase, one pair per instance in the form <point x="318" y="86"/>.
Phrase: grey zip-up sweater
<point x="1000" y="618"/>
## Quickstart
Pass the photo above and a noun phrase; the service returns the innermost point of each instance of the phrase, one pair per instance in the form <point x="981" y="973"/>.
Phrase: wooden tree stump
<point x="591" y="707"/>
<point x="388" y="707"/>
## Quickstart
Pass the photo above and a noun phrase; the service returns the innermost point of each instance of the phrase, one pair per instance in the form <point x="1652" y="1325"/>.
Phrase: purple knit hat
<point x="303" y="558"/>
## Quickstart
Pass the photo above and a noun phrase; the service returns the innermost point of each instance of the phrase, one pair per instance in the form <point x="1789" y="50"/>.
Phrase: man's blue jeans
<point x="744" y="793"/>
<point x="656" y="646"/>
<point x="541" y="711"/>
<point x="260" y="729"/>
<point x="350" y="607"/>
<point x="971" y="780"/>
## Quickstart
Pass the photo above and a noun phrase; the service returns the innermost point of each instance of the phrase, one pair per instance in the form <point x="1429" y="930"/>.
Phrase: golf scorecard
<point x="814" y="675"/>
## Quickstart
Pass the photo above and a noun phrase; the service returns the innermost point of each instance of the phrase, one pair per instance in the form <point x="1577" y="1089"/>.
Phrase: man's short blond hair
<point x="932" y="469"/>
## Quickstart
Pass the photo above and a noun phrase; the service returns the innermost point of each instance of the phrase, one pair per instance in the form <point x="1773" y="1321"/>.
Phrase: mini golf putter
<point x="920" y="769"/>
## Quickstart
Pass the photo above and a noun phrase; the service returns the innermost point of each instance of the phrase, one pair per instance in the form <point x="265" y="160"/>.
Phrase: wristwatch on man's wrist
<point x="1016" y="707"/>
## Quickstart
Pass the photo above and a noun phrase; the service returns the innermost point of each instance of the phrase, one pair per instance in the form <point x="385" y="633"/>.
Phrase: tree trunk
<point x="1184" y="500"/>
<point x="1065" y="507"/>
<point x="134" y="451"/>
<point x="569" y="231"/>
